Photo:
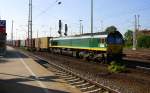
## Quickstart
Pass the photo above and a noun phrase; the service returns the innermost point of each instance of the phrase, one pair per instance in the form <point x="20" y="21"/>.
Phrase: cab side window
<point x="102" y="40"/>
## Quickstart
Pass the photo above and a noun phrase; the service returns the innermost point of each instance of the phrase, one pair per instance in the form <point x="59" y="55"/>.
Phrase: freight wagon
<point x="28" y="43"/>
<point x="22" y="43"/>
<point x="42" y="44"/>
<point x="37" y="44"/>
<point x="17" y="43"/>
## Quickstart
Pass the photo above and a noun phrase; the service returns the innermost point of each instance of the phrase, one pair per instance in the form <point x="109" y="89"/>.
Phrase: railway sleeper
<point x="70" y="78"/>
<point x="64" y="75"/>
<point x="61" y="72"/>
<point x="98" y="90"/>
<point x="87" y="87"/>
<point x="74" y="80"/>
<point x="78" y="82"/>
<point x="82" y="84"/>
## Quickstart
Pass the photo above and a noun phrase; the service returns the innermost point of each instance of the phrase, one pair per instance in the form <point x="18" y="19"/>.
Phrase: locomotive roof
<point x="96" y="33"/>
<point x="81" y="37"/>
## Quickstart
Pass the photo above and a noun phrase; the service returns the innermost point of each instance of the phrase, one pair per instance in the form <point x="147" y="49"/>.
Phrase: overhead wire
<point x="122" y="14"/>
<point x="49" y="7"/>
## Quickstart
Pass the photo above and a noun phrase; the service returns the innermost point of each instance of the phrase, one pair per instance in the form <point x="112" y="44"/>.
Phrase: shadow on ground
<point x="14" y="54"/>
<point x="32" y="78"/>
<point x="16" y="85"/>
<point x="11" y="55"/>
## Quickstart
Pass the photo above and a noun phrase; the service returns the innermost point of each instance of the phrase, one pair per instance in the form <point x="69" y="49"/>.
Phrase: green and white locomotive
<point x="96" y="44"/>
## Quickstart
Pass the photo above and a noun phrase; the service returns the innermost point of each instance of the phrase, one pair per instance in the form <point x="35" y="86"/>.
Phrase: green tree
<point x="144" y="41"/>
<point x="128" y="37"/>
<point x="110" y="29"/>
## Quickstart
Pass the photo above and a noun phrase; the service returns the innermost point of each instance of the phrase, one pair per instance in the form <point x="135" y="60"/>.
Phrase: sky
<point x="47" y="13"/>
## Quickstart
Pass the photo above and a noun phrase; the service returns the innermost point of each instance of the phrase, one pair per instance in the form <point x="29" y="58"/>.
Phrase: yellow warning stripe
<point x="85" y="48"/>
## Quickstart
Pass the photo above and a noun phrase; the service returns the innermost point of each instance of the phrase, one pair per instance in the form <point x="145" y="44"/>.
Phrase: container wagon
<point x="44" y="43"/>
<point x="37" y="44"/>
<point x="22" y="43"/>
<point x="28" y="44"/>
<point x="17" y="43"/>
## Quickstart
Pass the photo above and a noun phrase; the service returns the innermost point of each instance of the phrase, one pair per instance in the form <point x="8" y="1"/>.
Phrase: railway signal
<point x="66" y="29"/>
<point x="2" y="25"/>
<point x="2" y="37"/>
<point x="60" y="28"/>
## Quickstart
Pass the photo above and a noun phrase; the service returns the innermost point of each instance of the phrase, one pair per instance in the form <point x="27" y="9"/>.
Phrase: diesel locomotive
<point x="96" y="45"/>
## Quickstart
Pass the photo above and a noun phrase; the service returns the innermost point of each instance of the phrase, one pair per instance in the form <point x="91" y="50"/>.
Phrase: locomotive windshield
<point x="114" y="38"/>
<point x="110" y="40"/>
<point x="118" y="40"/>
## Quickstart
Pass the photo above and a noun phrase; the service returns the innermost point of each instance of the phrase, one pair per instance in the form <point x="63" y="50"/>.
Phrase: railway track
<point x="76" y="79"/>
<point x="137" y="59"/>
<point x="85" y="84"/>
<point x="130" y="61"/>
<point x="138" y="54"/>
<point x="140" y="64"/>
<point x="90" y="79"/>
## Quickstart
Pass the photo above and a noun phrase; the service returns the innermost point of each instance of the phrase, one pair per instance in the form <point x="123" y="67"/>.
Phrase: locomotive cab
<point x="115" y="44"/>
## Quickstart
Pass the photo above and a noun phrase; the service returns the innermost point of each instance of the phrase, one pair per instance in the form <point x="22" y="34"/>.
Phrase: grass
<point x="116" y="67"/>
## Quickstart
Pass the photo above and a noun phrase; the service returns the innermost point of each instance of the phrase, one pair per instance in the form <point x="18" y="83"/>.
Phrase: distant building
<point x="144" y="32"/>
